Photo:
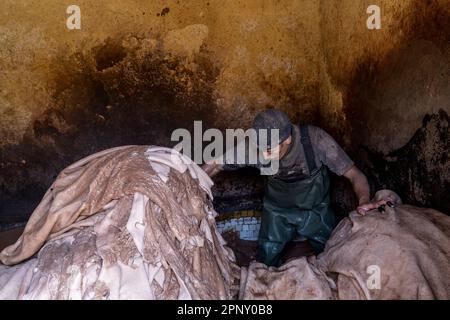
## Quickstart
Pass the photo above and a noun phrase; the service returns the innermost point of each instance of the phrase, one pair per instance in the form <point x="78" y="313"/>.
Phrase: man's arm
<point x="212" y="168"/>
<point x="360" y="186"/>
<point x="336" y="159"/>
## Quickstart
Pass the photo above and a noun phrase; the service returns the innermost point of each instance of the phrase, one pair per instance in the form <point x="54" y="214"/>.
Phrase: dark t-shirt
<point x="326" y="152"/>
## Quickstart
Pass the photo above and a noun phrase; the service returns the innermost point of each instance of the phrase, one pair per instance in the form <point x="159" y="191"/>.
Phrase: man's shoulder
<point x="314" y="129"/>
<point x="320" y="139"/>
<point x="314" y="132"/>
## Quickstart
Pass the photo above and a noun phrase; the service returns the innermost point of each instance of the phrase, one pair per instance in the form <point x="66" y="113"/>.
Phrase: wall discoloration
<point x="390" y="91"/>
<point x="136" y="71"/>
<point x="138" y="97"/>
<point x="420" y="170"/>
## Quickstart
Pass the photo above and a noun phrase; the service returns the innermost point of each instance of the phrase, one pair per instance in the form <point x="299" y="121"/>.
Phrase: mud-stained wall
<point x="139" y="69"/>
<point x="392" y="92"/>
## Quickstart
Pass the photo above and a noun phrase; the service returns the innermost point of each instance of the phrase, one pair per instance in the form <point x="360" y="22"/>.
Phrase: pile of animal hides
<point x="133" y="222"/>
<point x="137" y="222"/>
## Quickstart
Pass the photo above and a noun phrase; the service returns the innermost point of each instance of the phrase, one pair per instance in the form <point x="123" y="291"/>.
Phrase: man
<point x="297" y="197"/>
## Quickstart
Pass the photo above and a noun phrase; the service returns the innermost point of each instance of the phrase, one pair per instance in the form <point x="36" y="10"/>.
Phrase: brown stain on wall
<point x="139" y="97"/>
<point x="397" y="107"/>
<point x="388" y="95"/>
<point x="136" y="72"/>
<point x="420" y="170"/>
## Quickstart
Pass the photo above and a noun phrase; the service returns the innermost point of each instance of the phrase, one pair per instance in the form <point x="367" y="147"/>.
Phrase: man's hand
<point x="380" y="200"/>
<point x="362" y="209"/>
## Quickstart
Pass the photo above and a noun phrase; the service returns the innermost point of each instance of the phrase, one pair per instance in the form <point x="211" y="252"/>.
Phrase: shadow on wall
<point x="420" y="170"/>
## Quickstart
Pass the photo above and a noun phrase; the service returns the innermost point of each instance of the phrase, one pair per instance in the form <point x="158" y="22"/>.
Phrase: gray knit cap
<point x="273" y="119"/>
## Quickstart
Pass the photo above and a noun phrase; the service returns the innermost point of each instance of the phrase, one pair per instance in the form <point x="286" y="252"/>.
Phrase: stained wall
<point x="139" y="69"/>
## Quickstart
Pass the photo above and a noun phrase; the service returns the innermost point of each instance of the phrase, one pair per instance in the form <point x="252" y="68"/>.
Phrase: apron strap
<point x="307" y="147"/>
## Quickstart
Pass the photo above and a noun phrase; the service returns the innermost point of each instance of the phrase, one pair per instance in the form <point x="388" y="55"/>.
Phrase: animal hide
<point x="133" y="222"/>
<point x="400" y="253"/>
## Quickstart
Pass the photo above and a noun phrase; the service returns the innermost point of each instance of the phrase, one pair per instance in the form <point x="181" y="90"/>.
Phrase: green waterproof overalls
<point x="298" y="206"/>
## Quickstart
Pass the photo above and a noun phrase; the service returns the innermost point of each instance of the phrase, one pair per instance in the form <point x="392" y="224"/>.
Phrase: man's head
<point x="269" y="120"/>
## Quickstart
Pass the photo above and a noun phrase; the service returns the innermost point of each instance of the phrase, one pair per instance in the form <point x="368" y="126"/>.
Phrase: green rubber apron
<point x="299" y="207"/>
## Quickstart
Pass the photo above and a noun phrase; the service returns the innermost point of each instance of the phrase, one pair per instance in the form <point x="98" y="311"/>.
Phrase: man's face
<point x="279" y="151"/>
